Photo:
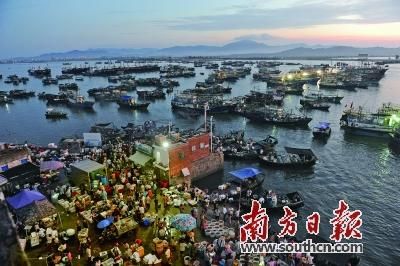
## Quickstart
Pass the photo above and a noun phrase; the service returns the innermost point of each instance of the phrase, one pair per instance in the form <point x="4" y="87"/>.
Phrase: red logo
<point x="345" y="223"/>
<point x="256" y="227"/>
<point x="289" y="226"/>
<point x="312" y="223"/>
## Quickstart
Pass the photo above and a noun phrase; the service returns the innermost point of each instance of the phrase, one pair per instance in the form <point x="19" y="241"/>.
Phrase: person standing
<point x="224" y="212"/>
<point x="217" y="213"/>
<point x="156" y="203"/>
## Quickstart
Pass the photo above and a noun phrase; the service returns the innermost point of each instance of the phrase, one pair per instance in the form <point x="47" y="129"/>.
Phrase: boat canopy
<point x="323" y="125"/>
<point x="299" y="151"/>
<point x="245" y="173"/>
<point x="126" y="97"/>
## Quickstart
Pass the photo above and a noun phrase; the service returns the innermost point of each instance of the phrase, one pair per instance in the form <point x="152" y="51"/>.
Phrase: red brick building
<point x="181" y="160"/>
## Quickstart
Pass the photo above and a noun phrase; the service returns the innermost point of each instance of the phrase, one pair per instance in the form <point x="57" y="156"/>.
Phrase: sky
<point x="33" y="27"/>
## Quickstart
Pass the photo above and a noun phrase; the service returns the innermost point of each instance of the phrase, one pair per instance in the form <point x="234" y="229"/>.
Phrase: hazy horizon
<point x="31" y="28"/>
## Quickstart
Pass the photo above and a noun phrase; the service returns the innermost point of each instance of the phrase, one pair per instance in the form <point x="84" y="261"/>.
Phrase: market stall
<point x="84" y="171"/>
<point x="125" y="225"/>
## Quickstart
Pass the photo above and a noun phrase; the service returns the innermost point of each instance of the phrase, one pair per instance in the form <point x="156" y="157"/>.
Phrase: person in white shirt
<point x="224" y="212"/>
<point x="261" y="200"/>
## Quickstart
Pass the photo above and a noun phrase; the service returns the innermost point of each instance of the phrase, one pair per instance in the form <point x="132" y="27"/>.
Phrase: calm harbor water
<point x="363" y="171"/>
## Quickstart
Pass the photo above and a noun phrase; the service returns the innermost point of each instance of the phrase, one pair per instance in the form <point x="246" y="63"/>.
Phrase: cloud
<point x="350" y="17"/>
<point x="300" y="14"/>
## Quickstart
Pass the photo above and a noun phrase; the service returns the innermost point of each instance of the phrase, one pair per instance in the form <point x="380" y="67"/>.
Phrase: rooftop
<point x="88" y="165"/>
<point x="9" y="155"/>
<point x="10" y="249"/>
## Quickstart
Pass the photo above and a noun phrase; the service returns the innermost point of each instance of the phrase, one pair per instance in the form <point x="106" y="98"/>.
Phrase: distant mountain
<point x="337" y="51"/>
<point x="97" y="53"/>
<point x="237" y="47"/>
<point x="240" y="48"/>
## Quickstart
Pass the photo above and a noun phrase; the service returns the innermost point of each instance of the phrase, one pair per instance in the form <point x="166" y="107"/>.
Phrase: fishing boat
<point x="276" y="117"/>
<point x="368" y="124"/>
<point x="40" y="72"/>
<point x="276" y="201"/>
<point x="234" y="154"/>
<point x="395" y="140"/>
<point x="21" y="94"/>
<point x="294" y="91"/>
<point x="46" y="96"/>
<point x="323" y="97"/>
<point x="106" y="96"/>
<point x="113" y="79"/>
<point x="195" y="104"/>
<point x="131" y="103"/>
<point x="148" y="82"/>
<point x="168" y="83"/>
<point x="68" y="87"/>
<point x="203" y="88"/>
<point x="294" y="158"/>
<point x="76" y="70"/>
<point x="322" y="130"/>
<point x="55" y="114"/>
<point x="102" y="124"/>
<point x="268" y="143"/>
<point x="242" y="180"/>
<point x="151" y="95"/>
<point x="5" y="100"/>
<point x="234" y="146"/>
<point x="335" y="83"/>
<point x="314" y="104"/>
<point x="58" y="99"/>
<point x="356" y="127"/>
<point x="80" y="102"/>
<point x="49" y="81"/>
<point x="64" y="76"/>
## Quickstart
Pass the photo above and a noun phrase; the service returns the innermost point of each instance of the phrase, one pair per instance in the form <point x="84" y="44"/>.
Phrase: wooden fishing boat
<point x="55" y="114"/>
<point x="131" y="103"/>
<point x="276" y="201"/>
<point x="241" y="155"/>
<point x="314" y="104"/>
<point x="293" y="159"/>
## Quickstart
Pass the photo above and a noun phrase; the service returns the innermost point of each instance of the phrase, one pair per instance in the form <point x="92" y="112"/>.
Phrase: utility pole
<point x="205" y="116"/>
<point x="211" y="133"/>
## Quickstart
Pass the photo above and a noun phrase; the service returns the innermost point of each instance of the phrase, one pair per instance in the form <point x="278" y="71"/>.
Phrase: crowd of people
<point x="133" y="192"/>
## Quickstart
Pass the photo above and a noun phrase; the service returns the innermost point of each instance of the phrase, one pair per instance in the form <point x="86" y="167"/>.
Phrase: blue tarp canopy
<point x="126" y="97"/>
<point x="24" y="198"/>
<point x="245" y="173"/>
<point x="323" y="125"/>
